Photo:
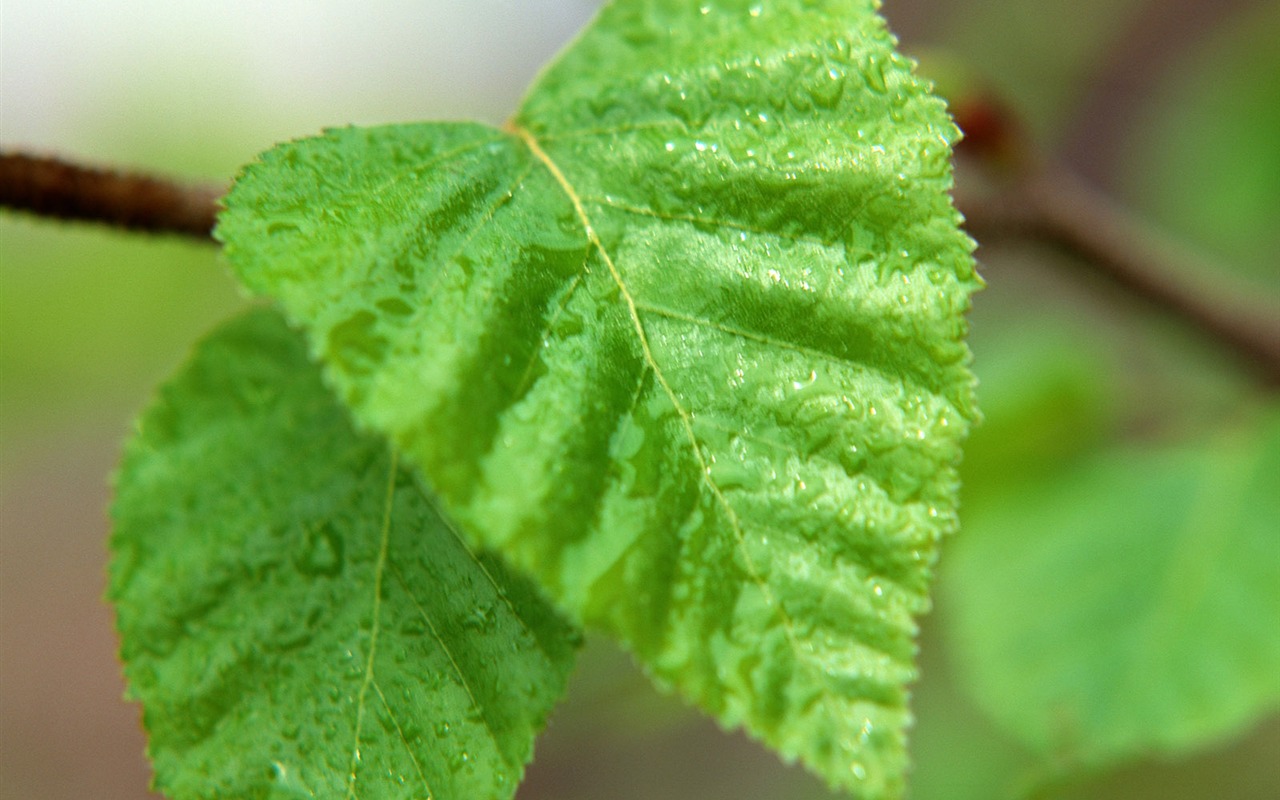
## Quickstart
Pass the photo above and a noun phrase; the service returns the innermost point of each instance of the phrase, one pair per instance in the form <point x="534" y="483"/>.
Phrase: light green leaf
<point x="1128" y="605"/>
<point x="684" y="340"/>
<point x="297" y="618"/>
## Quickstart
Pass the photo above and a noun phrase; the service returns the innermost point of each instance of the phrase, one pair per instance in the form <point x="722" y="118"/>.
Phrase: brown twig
<point x="1030" y="199"/>
<point x="51" y="187"/>
<point x="1056" y="208"/>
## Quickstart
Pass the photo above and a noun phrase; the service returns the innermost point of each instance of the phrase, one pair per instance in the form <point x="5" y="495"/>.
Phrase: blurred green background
<point x="1103" y="416"/>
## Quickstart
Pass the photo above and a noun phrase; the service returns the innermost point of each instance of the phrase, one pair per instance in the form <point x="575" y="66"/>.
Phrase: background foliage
<point x="1076" y="379"/>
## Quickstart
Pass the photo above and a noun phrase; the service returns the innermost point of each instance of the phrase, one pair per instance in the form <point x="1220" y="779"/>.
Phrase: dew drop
<point x="482" y="618"/>
<point x="865" y="734"/>
<point x="281" y="227"/>
<point x="826" y="88"/>
<point x="874" y="74"/>
<point x="321" y="551"/>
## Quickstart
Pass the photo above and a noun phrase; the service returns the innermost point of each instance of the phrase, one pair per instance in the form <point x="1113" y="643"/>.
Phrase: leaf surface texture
<point x="684" y="340"/>
<point x="297" y="618"/>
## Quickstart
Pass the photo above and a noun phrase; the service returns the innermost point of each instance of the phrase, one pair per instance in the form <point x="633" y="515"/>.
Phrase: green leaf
<point x="297" y="618"/>
<point x="1127" y="605"/>
<point x="684" y="340"/>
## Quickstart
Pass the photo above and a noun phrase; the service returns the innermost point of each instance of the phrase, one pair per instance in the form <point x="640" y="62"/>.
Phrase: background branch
<point x="51" y="187"/>
<point x="1056" y="209"/>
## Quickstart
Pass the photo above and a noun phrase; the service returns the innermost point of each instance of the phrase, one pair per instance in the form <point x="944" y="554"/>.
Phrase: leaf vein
<point x="453" y="662"/>
<point x="587" y="133"/>
<point x="574" y="283"/>
<point x="823" y="355"/>
<point x="686" y="419"/>
<point x="403" y="175"/>
<point x="706" y="75"/>
<point x="404" y="740"/>
<point x="477" y="227"/>
<point x="702" y="220"/>
<point x="378" y="570"/>
<point x="449" y="526"/>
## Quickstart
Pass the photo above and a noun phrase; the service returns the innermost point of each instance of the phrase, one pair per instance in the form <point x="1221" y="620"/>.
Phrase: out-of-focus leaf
<point x="1127" y="604"/>
<point x="1047" y="399"/>
<point x="957" y="752"/>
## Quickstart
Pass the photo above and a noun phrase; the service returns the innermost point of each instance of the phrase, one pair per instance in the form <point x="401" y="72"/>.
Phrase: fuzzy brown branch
<point x="1055" y="208"/>
<point x="51" y="187"/>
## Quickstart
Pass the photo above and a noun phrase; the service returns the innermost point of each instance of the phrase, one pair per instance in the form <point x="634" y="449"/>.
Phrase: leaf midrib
<point x="379" y="569"/>
<point x="685" y="419"/>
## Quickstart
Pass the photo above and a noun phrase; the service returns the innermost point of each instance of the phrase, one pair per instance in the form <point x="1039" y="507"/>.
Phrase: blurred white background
<point x="98" y="78"/>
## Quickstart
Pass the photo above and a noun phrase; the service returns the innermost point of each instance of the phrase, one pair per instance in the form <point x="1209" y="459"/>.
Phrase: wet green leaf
<point x="684" y="340"/>
<point x="1127" y="605"/>
<point x="296" y="617"/>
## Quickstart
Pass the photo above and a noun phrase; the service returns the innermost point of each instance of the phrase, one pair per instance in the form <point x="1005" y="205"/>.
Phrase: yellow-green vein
<point x="408" y="747"/>
<point x="453" y="662"/>
<point x="378" y="569"/>
<point x="686" y="420"/>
